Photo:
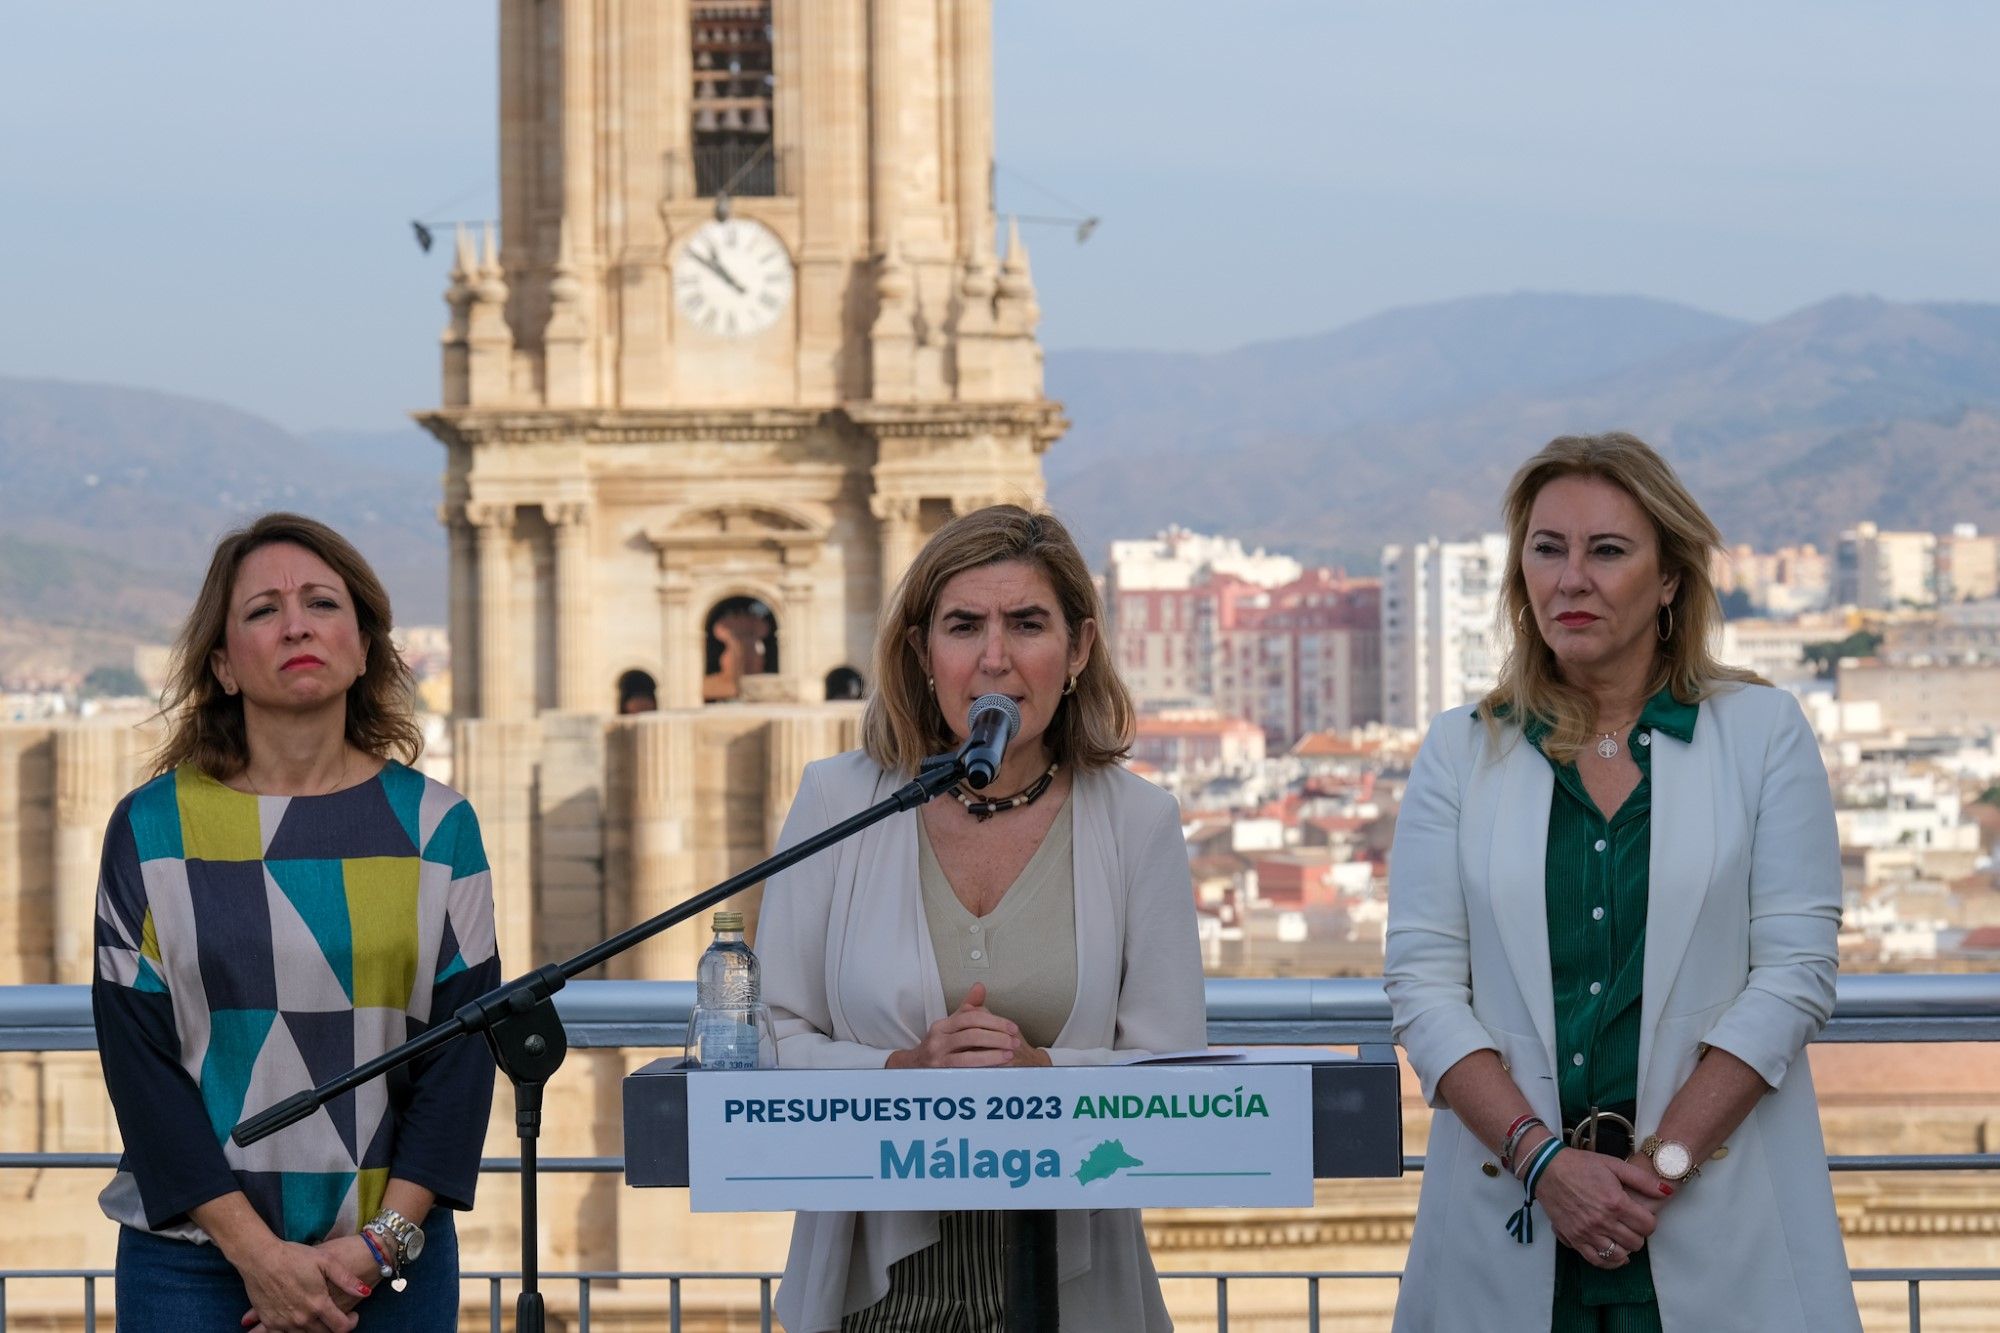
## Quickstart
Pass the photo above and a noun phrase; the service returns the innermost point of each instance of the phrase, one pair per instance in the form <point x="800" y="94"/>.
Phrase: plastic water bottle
<point x="727" y="988"/>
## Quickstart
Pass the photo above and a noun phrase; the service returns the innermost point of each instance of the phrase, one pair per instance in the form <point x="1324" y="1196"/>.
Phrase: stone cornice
<point x="515" y="426"/>
<point x="1042" y="419"/>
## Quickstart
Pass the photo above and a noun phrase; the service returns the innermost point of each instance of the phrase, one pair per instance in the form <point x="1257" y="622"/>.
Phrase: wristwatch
<point x="400" y="1231"/>
<point x="1672" y="1160"/>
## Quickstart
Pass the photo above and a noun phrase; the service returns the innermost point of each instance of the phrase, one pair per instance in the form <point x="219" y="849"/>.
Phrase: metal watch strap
<point x="1651" y="1148"/>
<point x="395" y="1228"/>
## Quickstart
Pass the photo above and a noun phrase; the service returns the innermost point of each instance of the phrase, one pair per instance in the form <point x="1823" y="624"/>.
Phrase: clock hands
<point x="714" y="265"/>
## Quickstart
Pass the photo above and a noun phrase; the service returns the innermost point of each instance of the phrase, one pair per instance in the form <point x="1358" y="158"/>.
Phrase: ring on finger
<point x="1606" y="1253"/>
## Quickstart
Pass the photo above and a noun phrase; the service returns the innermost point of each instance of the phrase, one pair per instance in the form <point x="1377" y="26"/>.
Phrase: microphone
<point x="992" y="721"/>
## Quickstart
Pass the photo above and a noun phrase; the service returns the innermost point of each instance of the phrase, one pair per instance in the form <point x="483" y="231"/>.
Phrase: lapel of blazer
<point x="1680" y="865"/>
<point x="1516" y="878"/>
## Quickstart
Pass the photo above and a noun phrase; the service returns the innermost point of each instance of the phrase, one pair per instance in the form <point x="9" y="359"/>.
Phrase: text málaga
<point x="944" y="1162"/>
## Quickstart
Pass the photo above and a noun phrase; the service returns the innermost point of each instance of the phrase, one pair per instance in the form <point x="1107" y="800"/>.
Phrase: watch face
<point x="733" y="278"/>
<point x="1672" y="1160"/>
<point x="413" y="1244"/>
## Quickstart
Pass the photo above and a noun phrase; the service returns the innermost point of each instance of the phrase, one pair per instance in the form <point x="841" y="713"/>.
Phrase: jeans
<point x="176" y="1286"/>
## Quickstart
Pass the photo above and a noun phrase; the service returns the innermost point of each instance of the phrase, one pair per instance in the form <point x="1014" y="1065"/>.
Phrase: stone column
<point x="901" y="538"/>
<point x="493" y="764"/>
<point x="463" y="563"/>
<point x="800" y="627"/>
<point x="680" y="639"/>
<point x="90" y="776"/>
<point x="661" y="813"/>
<point x="27" y="851"/>
<point x="972" y="71"/>
<point x="577" y="688"/>
<point x="497" y="696"/>
<point x="885" y="128"/>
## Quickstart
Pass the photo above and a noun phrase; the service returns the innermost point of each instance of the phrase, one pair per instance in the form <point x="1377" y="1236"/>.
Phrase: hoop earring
<point x="1667" y="633"/>
<point x="1521" y="621"/>
<point x="930" y="683"/>
<point x="1071" y="687"/>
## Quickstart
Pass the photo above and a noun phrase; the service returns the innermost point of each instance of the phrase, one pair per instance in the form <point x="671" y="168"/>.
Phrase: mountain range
<point x="1330" y="446"/>
<point x="1394" y="428"/>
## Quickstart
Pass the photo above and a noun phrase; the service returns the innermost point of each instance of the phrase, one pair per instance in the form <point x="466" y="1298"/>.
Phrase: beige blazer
<point x="1740" y="954"/>
<point x="850" y="975"/>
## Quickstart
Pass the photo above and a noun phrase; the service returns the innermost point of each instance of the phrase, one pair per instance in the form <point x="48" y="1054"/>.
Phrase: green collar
<point x="1662" y="712"/>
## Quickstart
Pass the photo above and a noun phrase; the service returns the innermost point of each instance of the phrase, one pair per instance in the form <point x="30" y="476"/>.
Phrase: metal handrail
<point x="1282" y="1011"/>
<point x="1913" y="1278"/>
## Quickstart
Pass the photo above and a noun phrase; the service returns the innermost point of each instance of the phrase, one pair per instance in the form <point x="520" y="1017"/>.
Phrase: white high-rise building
<point x="1884" y="570"/>
<point x="1441" y="643"/>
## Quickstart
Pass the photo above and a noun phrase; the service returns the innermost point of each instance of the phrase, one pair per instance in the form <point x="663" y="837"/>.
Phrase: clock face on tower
<point x="733" y="278"/>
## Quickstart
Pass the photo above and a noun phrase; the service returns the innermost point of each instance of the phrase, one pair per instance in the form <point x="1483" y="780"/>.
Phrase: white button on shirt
<point x="1600" y="844"/>
<point x="1597" y="914"/>
<point x="975" y="953"/>
<point x="1576" y="1059"/>
<point x="1596" y="987"/>
<point x="1645" y="738"/>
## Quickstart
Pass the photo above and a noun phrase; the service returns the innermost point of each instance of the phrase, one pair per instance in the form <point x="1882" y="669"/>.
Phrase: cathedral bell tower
<point x="743" y="339"/>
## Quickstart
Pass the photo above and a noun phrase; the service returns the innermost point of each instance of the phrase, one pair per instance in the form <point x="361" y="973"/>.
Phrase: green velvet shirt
<point x="1596" y="874"/>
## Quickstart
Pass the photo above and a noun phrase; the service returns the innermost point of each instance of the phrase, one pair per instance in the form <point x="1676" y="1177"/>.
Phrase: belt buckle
<point x="1584" y="1133"/>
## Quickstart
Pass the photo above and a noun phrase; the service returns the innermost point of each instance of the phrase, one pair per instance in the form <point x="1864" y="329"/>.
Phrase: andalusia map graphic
<point x="1105" y="1160"/>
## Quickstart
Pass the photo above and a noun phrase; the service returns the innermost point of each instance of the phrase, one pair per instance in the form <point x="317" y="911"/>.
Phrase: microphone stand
<point x="526" y="1034"/>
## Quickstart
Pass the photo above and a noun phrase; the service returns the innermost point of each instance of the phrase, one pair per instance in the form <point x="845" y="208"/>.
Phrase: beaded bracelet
<point x="381" y="1259"/>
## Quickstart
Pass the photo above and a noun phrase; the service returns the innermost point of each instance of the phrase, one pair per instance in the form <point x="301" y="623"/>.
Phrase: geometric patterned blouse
<point x="250" y="947"/>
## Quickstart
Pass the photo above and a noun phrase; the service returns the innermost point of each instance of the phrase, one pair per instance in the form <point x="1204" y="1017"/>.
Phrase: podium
<point x="1187" y="1132"/>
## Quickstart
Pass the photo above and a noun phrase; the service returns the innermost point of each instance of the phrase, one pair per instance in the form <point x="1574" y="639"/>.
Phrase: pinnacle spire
<point x="465" y="265"/>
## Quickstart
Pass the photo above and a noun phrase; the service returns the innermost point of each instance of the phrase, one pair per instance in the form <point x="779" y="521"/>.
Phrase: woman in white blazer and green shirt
<point x="1051" y="922"/>
<point x="1617" y="763"/>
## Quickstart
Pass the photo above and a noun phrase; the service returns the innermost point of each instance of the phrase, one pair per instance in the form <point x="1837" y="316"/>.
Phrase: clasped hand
<point x="971" y="1037"/>
<point x="1598" y="1202"/>
<point x="308" y="1288"/>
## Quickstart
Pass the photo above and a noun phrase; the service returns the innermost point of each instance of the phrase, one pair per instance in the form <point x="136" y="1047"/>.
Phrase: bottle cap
<point x="728" y="921"/>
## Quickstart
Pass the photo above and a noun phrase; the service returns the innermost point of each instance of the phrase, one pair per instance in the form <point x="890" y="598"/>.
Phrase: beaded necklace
<point x="984" y="810"/>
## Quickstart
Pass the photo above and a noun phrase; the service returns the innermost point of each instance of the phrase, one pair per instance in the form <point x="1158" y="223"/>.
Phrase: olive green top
<point x="1597" y="874"/>
<point x="1024" y="949"/>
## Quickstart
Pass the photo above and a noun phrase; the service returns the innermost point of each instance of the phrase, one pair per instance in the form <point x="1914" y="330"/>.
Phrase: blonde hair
<point x="903" y="724"/>
<point x="1531" y="684"/>
<point x="205" y="724"/>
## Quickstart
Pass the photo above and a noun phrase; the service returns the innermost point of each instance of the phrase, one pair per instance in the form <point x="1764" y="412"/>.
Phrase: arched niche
<point x="739" y="639"/>
<point x="844" y="683"/>
<point x="638" y="692"/>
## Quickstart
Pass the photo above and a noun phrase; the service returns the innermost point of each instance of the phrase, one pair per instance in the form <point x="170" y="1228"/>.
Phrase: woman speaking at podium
<point x="284" y="901"/>
<point x="1047" y="919"/>
<point x="1613" y="900"/>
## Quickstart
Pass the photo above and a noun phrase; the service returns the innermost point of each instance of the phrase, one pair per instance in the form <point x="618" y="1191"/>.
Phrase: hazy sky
<point x="212" y="198"/>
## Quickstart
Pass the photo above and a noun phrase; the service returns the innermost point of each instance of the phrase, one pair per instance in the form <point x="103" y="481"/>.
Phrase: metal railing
<point x="1290" y="1011"/>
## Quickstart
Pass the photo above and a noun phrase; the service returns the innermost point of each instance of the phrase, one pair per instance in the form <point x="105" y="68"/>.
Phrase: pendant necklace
<point x="1607" y="744"/>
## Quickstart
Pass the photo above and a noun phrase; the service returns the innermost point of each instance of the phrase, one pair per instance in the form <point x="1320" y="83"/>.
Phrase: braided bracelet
<point x="1521" y="1223"/>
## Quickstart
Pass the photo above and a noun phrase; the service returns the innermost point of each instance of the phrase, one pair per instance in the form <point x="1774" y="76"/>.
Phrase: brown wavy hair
<point x="205" y="724"/>
<point x="1531" y="685"/>
<point x="903" y="725"/>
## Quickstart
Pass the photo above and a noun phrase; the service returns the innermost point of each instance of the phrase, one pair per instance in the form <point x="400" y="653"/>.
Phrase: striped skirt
<point x="952" y="1286"/>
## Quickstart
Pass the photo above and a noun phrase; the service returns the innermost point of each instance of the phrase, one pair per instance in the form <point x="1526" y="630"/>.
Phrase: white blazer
<point x="1741" y="919"/>
<point x="850" y="975"/>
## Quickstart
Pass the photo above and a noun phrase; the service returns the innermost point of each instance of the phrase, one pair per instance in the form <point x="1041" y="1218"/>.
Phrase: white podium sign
<point x="1078" y="1137"/>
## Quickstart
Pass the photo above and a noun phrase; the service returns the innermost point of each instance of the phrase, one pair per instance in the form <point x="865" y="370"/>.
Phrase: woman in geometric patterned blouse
<point x="286" y="899"/>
